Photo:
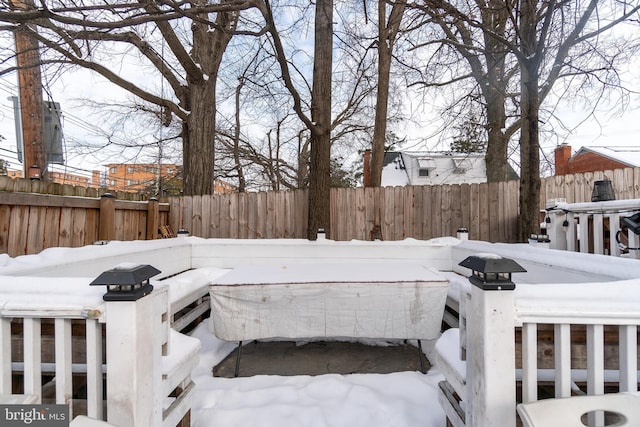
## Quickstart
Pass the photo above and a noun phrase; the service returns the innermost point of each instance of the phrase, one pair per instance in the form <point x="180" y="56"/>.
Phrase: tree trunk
<point x="529" y="110"/>
<point x="386" y="38"/>
<point x="236" y="140"/>
<point x="496" y="15"/>
<point x="198" y="139"/>
<point x="529" y="154"/>
<point x="319" y="169"/>
<point x="498" y="142"/>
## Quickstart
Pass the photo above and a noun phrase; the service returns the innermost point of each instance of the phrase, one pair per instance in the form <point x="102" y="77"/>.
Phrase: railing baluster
<point x="595" y="369"/>
<point x="94" y="368"/>
<point x="529" y="362"/>
<point x="64" y="377"/>
<point x="598" y="234"/>
<point x="634" y="242"/>
<point x="32" y="356"/>
<point x="583" y="232"/>
<point x="614" y="227"/>
<point x="628" y="347"/>
<point x="562" y="359"/>
<point x="571" y="232"/>
<point x="5" y="356"/>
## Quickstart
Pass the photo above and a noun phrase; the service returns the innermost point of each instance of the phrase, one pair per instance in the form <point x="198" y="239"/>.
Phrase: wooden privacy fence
<point x="577" y="188"/>
<point x="489" y="211"/>
<point x="32" y="222"/>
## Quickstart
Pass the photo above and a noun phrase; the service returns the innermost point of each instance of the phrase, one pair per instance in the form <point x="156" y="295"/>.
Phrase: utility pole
<point x="30" y="86"/>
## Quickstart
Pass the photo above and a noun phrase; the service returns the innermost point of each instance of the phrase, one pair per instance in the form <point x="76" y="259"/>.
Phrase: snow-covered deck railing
<point x="58" y="332"/>
<point x="590" y="328"/>
<point x="34" y="321"/>
<point x="188" y="265"/>
<point x="593" y="227"/>
<point x="151" y="384"/>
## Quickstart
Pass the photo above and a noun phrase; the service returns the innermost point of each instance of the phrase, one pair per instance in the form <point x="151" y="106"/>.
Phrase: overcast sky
<point x="81" y="125"/>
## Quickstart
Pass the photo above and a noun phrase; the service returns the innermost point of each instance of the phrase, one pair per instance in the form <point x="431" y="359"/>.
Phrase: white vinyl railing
<point x="151" y="374"/>
<point x="32" y="368"/>
<point x="593" y="227"/>
<point x="480" y="386"/>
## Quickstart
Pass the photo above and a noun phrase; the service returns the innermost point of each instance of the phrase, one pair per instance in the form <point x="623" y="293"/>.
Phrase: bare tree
<point x="387" y="33"/>
<point x="180" y="42"/>
<point x="541" y="42"/>
<point x="549" y="34"/>
<point x="486" y="67"/>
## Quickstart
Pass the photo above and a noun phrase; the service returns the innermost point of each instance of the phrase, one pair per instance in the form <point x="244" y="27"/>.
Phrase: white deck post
<point x="556" y="232"/>
<point x="133" y="359"/>
<point x="491" y="369"/>
<point x="134" y="346"/>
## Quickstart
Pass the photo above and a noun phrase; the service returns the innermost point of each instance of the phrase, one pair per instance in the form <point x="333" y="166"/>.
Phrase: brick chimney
<point x="366" y="169"/>
<point x="562" y="156"/>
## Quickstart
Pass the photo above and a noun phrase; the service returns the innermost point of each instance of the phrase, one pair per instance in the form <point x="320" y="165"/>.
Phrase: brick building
<point x="593" y="159"/>
<point x="137" y="177"/>
<point x="140" y="177"/>
<point x="58" y="177"/>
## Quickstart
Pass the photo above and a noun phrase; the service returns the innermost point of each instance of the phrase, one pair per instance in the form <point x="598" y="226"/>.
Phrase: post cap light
<point x="491" y="272"/>
<point x="126" y="282"/>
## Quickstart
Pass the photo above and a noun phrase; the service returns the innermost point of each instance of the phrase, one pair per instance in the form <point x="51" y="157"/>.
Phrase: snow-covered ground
<point x="402" y="399"/>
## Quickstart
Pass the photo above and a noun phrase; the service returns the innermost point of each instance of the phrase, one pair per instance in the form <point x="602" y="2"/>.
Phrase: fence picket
<point x="360" y="225"/>
<point x="205" y="213"/>
<point x="489" y="211"/>
<point x="196" y="216"/>
<point x="243" y="223"/>
<point x="35" y="231"/>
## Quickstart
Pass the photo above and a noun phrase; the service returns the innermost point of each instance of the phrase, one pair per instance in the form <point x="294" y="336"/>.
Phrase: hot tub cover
<point x="399" y="300"/>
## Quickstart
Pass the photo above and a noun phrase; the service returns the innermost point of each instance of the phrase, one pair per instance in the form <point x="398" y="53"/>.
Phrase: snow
<point x="367" y="400"/>
<point x="68" y="294"/>
<point x="629" y="155"/>
<point x="397" y="399"/>
<point x="330" y="273"/>
<point x="393" y="176"/>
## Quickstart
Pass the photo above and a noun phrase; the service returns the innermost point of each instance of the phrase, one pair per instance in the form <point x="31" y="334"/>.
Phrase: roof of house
<point x="627" y="155"/>
<point x="401" y="168"/>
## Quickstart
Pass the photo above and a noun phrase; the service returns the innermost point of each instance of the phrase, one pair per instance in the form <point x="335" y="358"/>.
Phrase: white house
<point x="433" y="168"/>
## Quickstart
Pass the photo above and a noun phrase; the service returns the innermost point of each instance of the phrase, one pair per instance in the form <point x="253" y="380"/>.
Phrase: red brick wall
<point x="591" y="162"/>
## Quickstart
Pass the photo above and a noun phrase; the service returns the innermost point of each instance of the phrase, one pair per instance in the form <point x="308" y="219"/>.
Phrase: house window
<point x="130" y="169"/>
<point x="113" y="182"/>
<point x="426" y="166"/>
<point x="129" y="182"/>
<point x="114" y="170"/>
<point x="461" y="165"/>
